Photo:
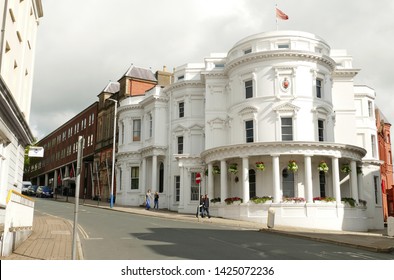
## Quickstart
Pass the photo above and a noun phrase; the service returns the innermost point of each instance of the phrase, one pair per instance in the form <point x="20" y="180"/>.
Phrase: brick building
<point x="57" y="167"/>
<point x="386" y="168"/>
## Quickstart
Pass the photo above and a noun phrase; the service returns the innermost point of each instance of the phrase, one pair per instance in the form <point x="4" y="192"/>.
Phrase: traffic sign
<point x="198" y="178"/>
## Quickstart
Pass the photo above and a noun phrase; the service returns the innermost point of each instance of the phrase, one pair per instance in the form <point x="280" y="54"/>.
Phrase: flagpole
<point x="276" y="17"/>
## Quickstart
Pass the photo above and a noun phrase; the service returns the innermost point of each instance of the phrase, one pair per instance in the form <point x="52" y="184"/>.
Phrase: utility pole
<point x="77" y="183"/>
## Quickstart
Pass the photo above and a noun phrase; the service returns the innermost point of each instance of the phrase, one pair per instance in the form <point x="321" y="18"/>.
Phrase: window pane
<point x="249" y="131"/>
<point x="248" y="89"/>
<point x="318" y="88"/>
<point x="181" y="109"/>
<point x="194" y="187"/>
<point x="287" y="129"/>
<point x="320" y="124"/>
<point x="136" y="130"/>
<point x="135" y="177"/>
<point x="288" y="183"/>
<point x="177" y="187"/>
<point x="180" y="145"/>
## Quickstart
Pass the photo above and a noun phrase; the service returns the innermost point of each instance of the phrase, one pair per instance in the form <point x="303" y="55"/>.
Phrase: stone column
<point x="143" y="186"/>
<point x="308" y="178"/>
<point x="223" y="180"/>
<point x="353" y="180"/>
<point x="47" y="179"/>
<point x="154" y="174"/>
<point x="276" y="178"/>
<point x="182" y="186"/>
<point x="211" y="192"/>
<point x="245" y="179"/>
<point x="335" y="180"/>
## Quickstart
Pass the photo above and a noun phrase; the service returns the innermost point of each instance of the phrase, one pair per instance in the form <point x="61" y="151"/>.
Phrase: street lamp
<point x="113" y="154"/>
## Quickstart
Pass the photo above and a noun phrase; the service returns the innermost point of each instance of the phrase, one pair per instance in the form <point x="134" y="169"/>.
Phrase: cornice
<point x="130" y="107"/>
<point x="153" y="151"/>
<point x="183" y="84"/>
<point x="284" y="148"/>
<point x="258" y="56"/>
<point x="345" y="73"/>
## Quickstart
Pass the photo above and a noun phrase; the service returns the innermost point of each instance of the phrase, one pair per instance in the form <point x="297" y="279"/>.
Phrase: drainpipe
<point x="3" y="33"/>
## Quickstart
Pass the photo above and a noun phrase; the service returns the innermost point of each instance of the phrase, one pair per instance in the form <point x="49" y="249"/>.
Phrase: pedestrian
<point x="147" y="200"/>
<point x="206" y="206"/>
<point x="200" y="207"/>
<point x="156" y="200"/>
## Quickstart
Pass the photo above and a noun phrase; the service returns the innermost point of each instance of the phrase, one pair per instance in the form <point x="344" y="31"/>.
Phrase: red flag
<point x="281" y="15"/>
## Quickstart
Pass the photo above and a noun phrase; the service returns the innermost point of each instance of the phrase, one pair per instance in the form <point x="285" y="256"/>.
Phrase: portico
<point x="272" y="181"/>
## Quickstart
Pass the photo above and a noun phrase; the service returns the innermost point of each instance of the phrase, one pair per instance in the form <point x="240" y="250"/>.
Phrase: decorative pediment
<point x="286" y="107"/>
<point x="217" y="123"/>
<point x="179" y="128"/>
<point x="322" y="109"/>
<point x="248" y="110"/>
<point x="196" y="127"/>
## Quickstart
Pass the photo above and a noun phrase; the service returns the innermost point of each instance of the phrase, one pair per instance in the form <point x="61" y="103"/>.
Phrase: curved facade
<point x="277" y="98"/>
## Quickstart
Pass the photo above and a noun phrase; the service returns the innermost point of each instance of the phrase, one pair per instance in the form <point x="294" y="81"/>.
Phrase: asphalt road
<point x="112" y="235"/>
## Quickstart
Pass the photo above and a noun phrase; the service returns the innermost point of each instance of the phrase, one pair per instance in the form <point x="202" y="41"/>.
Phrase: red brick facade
<point x="386" y="169"/>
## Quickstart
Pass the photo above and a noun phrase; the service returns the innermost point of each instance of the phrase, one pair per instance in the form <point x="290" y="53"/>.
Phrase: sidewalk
<point x="52" y="236"/>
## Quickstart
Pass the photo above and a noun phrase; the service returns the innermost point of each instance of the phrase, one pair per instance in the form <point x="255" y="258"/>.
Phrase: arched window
<point x="287" y="183"/>
<point x="252" y="183"/>
<point x="161" y="177"/>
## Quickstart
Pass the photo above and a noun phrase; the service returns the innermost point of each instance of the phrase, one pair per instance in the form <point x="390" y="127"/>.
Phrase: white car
<point x="25" y="186"/>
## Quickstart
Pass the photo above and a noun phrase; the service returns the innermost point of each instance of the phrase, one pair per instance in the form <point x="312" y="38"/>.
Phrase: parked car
<point x="25" y="186"/>
<point x="31" y="190"/>
<point x="44" y="191"/>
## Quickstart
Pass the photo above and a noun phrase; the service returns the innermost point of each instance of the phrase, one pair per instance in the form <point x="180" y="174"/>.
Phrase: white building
<point x="275" y="97"/>
<point x="19" y="23"/>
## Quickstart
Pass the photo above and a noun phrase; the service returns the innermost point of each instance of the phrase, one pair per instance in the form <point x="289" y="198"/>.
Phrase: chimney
<point x="163" y="78"/>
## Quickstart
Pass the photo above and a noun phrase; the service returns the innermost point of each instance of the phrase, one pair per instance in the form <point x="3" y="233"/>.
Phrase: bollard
<point x="271" y="218"/>
<point x="390" y="226"/>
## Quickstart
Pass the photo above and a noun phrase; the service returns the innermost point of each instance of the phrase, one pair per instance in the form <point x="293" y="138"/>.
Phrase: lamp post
<point x="113" y="154"/>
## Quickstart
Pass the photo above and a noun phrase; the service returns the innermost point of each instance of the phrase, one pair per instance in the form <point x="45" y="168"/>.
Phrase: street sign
<point x="198" y="178"/>
<point x="35" y="151"/>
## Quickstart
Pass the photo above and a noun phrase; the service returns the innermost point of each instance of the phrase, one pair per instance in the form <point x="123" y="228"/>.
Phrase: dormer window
<point x="180" y="78"/>
<point x="247" y="51"/>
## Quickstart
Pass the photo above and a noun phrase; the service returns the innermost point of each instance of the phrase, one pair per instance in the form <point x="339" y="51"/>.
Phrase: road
<point x="112" y="235"/>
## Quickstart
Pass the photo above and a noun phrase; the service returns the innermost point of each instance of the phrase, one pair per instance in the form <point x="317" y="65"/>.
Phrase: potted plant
<point x="215" y="200"/>
<point x="345" y="169"/>
<point x="323" y="199"/>
<point x="233" y="168"/>
<point x="323" y="166"/>
<point x="292" y="166"/>
<point x="350" y="201"/>
<point x="263" y="199"/>
<point x="215" y="169"/>
<point x="260" y="165"/>
<point x="231" y="200"/>
<point x="294" y="199"/>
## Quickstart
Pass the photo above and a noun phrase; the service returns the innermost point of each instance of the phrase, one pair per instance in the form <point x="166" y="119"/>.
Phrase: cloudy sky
<point x="84" y="44"/>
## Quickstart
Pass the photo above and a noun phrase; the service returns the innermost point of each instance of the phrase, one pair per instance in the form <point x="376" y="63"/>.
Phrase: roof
<point x="112" y="87"/>
<point x="140" y="73"/>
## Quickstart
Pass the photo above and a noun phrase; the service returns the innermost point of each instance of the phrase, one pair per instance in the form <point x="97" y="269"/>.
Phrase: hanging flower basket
<point x="233" y="168"/>
<point x="292" y="166"/>
<point x="323" y="166"/>
<point x="215" y="169"/>
<point x="345" y="169"/>
<point x="260" y="165"/>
